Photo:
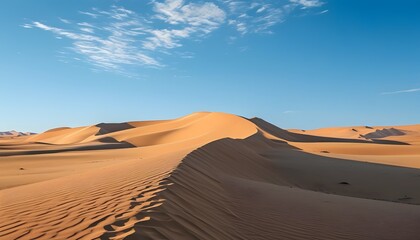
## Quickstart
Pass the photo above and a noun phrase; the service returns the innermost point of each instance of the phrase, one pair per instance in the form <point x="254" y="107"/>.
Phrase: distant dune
<point x="211" y="176"/>
<point x="14" y="133"/>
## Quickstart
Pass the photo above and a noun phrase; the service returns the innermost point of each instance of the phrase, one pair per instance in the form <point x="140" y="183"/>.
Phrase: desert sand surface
<point x="211" y="176"/>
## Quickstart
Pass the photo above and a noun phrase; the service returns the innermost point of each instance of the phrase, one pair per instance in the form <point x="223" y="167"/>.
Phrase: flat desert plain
<point x="211" y="176"/>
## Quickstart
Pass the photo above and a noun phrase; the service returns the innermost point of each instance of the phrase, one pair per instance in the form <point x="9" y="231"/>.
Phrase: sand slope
<point x="14" y="133"/>
<point x="210" y="176"/>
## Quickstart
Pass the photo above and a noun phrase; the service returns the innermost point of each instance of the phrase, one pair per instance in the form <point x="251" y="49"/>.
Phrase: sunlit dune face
<point x="210" y="176"/>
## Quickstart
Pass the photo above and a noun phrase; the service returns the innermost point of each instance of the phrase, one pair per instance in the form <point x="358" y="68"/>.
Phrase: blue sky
<point x="296" y="63"/>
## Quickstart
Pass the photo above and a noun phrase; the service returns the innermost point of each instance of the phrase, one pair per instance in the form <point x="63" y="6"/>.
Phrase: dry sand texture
<point x="211" y="176"/>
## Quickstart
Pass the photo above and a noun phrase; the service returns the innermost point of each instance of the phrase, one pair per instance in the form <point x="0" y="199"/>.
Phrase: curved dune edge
<point x="224" y="190"/>
<point x="80" y="206"/>
<point x="85" y="205"/>
<point x="212" y="176"/>
<point x="46" y="157"/>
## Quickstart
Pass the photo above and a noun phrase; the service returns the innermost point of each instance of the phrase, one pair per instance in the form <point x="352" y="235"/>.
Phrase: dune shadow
<point x="382" y="133"/>
<point x="297" y="137"/>
<point x="69" y="148"/>
<point x="346" y="177"/>
<point x="105" y="128"/>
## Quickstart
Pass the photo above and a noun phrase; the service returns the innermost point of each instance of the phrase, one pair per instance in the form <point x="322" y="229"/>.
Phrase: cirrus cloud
<point x="411" y="90"/>
<point x="117" y="38"/>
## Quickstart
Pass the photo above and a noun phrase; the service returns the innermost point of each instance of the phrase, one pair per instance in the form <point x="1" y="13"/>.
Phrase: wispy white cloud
<point x="308" y="3"/>
<point x="114" y="47"/>
<point x="402" y="91"/>
<point x="207" y="14"/>
<point x="259" y="16"/>
<point x="323" y="12"/>
<point x="93" y="15"/>
<point x="119" y="37"/>
<point x="88" y="30"/>
<point x="185" y="21"/>
<point x="165" y="38"/>
<point x="64" y="20"/>
<point x="26" y="25"/>
<point x="85" y="24"/>
<point x="116" y="38"/>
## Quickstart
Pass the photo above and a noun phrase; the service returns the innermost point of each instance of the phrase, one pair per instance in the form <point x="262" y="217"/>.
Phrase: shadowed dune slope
<point x="227" y="190"/>
<point x="14" y="133"/>
<point x="294" y="136"/>
<point x="208" y="176"/>
<point x="386" y="132"/>
<point x="105" y="128"/>
<point x="409" y="133"/>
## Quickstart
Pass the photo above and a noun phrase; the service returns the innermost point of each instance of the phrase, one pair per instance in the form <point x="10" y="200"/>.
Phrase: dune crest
<point x="14" y="133"/>
<point x="385" y="132"/>
<point x="210" y="176"/>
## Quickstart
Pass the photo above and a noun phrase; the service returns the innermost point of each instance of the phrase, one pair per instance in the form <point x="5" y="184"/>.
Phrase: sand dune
<point x="383" y="133"/>
<point x="366" y="132"/>
<point x="211" y="176"/>
<point x="14" y="133"/>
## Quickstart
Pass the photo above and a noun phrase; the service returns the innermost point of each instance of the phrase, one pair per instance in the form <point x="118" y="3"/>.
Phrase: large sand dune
<point x="211" y="176"/>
